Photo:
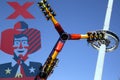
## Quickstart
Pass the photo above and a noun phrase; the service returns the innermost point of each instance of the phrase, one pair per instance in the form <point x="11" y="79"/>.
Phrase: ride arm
<point x="78" y="36"/>
<point x="51" y="61"/>
<point x="50" y="15"/>
<point x="90" y="36"/>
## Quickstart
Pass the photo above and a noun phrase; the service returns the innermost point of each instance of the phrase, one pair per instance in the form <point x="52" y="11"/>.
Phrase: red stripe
<point x="34" y="49"/>
<point x="28" y="32"/>
<point x="36" y="45"/>
<point x="34" y="39"/>
<point x="33" y="35"/>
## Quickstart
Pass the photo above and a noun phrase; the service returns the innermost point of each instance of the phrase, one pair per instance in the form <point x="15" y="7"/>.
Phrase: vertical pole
<point x="100" y="63"/>
<point x="102" y="50"/>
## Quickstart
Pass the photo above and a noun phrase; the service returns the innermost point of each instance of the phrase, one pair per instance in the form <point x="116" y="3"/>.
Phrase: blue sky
<point x="77" y="60"/>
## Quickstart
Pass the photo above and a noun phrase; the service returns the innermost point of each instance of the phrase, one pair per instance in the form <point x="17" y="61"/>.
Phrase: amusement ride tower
<point x="96" y="38"/>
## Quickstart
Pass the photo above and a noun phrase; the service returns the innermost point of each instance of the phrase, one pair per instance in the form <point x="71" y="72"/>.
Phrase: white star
<point x="7" y="71"/>
<point x="32" y="70"/>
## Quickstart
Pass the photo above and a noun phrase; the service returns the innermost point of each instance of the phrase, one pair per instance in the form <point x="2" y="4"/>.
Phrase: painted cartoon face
<point x="20" y="45"/>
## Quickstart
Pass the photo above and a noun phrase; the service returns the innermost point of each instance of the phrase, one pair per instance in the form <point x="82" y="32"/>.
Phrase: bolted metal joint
<point x="64" y="36"/>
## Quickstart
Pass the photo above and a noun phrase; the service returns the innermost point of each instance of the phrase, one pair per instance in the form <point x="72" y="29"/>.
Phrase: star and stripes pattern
<point x="9" y="71"/>
<point x="18" y="13"/>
